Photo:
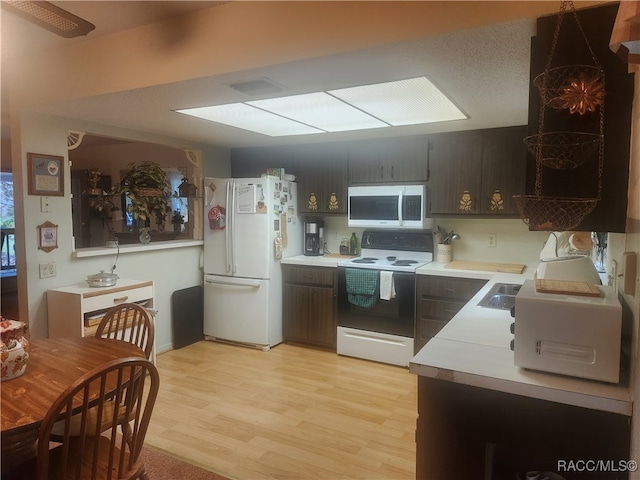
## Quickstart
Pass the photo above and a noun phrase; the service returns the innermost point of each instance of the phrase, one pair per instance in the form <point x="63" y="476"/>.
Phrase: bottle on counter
<point x="353" y="244"/>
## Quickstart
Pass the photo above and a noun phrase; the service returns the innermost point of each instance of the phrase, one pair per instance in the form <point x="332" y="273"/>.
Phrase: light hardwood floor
<point x="290" y="413"/>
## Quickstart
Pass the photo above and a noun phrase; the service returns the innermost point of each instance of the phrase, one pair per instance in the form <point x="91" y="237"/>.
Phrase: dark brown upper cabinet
<point x="388" y="160"/>
<point x="477" y="172"/>
<point x="504" y="157"/>
<point x="320" y="170"/>
<point x="455" y="165"/>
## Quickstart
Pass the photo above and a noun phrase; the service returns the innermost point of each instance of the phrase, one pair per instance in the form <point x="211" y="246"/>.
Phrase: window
<point x="7" y="224"/>
<point x="101" y="220"/>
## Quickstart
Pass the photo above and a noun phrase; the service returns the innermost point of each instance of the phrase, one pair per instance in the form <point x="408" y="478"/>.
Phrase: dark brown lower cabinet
<point x="438" y="300"/>
<point x="466" y="432"/>
<point x="309" y="305"/>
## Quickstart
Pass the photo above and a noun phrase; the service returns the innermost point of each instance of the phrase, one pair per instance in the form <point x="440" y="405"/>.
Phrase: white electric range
<point x="376" y="295"/>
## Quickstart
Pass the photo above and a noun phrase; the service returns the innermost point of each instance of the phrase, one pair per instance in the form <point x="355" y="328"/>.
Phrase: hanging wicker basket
<point x="577" y="88"/>
<point x="553" y="213"/>
<point x="563" y="150"/>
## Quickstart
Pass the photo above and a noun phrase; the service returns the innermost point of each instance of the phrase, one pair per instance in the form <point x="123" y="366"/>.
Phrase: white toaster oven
<point x="572" y="335"/>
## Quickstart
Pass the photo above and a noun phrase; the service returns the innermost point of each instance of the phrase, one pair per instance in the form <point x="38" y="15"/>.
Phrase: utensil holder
<point x="444" y="253"/>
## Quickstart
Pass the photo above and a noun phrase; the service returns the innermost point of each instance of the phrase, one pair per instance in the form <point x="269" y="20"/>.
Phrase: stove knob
<point x="512" y="311"/>
<point x="512" y="327"/>
<point x="511" y="345"/>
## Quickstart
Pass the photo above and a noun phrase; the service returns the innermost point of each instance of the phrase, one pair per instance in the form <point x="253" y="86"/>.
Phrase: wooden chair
<point x="129" y="322"/>
<point x="96" y="452"/>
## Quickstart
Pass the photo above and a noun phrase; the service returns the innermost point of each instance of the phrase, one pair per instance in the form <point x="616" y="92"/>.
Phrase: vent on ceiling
<point x="261" y="86"/>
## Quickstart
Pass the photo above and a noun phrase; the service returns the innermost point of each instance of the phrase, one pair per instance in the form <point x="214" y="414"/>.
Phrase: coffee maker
<point x="313" y="237"/>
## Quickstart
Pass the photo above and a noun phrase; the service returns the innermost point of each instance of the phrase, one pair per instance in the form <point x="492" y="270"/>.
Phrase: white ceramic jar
<point x="14" y="349"/>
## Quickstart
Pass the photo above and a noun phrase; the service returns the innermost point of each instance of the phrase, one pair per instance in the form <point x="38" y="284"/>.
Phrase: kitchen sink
<point x="502" y="296"/>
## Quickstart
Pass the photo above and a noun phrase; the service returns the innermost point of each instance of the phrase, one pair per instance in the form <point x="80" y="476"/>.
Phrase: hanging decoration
<point x="579" y="90"/>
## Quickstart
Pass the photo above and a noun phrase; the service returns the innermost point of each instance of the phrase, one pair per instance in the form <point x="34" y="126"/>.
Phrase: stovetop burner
<point x="404" y="263"/>
<point x="392" y="250"/>
<point x="365" y="260"/>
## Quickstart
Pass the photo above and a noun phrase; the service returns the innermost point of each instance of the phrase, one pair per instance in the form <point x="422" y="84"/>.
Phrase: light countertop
<point x="327" y="260"/>
<point x="473" y="349"/>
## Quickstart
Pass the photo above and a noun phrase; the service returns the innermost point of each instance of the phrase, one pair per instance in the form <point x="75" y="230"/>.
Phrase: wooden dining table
<point x="54" y="364"/>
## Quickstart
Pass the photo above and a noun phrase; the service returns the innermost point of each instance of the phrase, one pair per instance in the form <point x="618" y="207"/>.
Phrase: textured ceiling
<point x="484" y="70"/>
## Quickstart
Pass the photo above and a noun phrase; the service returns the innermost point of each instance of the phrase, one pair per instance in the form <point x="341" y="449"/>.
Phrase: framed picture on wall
<point x="48" y="236"/>
<point x="46" y="174"/>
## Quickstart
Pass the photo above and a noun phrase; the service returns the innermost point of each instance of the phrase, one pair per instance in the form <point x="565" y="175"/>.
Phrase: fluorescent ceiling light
<point x="320" y="110"/>
<point x="251" y="118"/>
<point x="404" y="102"/>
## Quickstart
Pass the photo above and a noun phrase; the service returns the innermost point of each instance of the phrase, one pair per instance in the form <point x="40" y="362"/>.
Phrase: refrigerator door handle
<point x="227" y="233"/>
<point x="236" y="282"/>
<point x="233" y="228"/>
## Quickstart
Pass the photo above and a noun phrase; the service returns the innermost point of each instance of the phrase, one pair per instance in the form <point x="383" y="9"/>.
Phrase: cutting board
<point x="567" y="288"/>
<point x="486" y="266"/>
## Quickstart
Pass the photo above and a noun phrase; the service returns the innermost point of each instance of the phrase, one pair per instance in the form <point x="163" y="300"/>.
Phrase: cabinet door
<point x="368" y="162"/>
<point x="296" y="302"/>
<point x="309" y="304"/>
<point x="309" y="315"/>
<point x="389" y="160"/>
<point x="322" y="179"/>
<point x="407" y="160"/>
<point x="322" y="322"/>
<point x="438" y="299"/>
<point x="504" y="164"/>
<point x="455" y="162"/>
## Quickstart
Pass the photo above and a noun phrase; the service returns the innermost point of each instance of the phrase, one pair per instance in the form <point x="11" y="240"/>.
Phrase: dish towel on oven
<point x="361" y="286"/>
<point x="387" y="287"/>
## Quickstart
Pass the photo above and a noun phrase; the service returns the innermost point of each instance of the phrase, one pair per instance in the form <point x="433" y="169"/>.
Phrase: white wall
<point x="515" y="243"/>
<point x="170" y="269"/>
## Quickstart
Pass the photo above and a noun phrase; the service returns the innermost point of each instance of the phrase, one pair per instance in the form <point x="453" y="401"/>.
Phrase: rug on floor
<point x="162" y="465"/>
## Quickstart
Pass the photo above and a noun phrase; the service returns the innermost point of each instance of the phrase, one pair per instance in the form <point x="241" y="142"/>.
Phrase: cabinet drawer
<point x="309" y="276"/>
<point x="448" y="287"/>
<point x="108" y="300"/>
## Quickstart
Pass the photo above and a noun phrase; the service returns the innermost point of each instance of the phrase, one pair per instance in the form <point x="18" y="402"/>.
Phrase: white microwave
<point x="388" y="206"/>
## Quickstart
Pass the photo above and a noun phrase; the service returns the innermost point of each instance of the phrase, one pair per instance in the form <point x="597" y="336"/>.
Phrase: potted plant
<point x="147" y="187"/>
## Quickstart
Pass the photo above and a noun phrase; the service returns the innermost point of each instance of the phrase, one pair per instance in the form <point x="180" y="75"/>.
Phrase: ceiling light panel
<point x="244" y="116"/>
<point x="320" y="110"/>
<point x="405" y="102"/>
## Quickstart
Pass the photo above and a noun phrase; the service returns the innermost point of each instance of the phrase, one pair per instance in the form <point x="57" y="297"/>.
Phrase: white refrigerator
<point x="250" y="224"/>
